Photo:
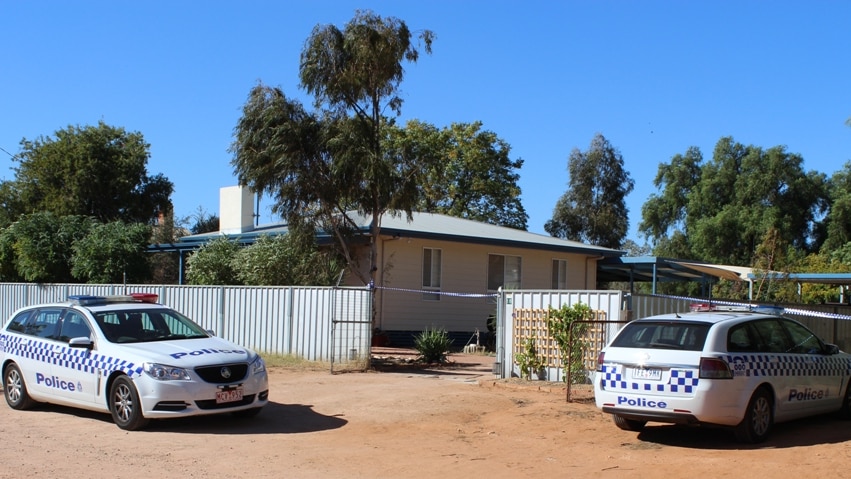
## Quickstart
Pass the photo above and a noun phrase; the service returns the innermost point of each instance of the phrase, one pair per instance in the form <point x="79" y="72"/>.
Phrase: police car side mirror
<point x="81" y="342"/>
<point x="831" y="349"/>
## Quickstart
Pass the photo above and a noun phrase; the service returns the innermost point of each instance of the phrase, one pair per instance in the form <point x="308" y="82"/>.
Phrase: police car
<point x="129" y="356"/>
<point x="739" y="366"/>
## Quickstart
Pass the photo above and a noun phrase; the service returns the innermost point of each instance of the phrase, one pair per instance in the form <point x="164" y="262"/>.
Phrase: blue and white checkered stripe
<point x="771" y="365"/>
<point x="680" y="381"/>
<point x="65" y="356"/>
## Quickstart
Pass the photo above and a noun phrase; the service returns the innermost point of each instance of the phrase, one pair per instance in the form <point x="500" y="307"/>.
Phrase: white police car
<point x="129" y="356"/>
<point x="743" y="367"/>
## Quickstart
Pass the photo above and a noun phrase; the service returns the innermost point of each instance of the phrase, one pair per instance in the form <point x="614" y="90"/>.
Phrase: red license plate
<point x="229" y="395"/>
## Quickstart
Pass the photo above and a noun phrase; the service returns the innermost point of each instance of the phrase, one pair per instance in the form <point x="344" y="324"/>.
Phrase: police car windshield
<point x="682" y="335"/>
<point x="144" y="325"/>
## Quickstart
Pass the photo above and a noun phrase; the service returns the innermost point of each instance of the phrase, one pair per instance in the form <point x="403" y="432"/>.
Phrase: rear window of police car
<point x="687" y="336"/>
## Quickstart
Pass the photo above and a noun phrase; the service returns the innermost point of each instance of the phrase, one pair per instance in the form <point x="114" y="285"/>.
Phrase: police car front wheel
<point x="15" y="389"/>
<point x="125" y="406"/>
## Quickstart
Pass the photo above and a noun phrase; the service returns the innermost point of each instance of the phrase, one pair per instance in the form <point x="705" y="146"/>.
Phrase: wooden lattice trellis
<point x="532" y="323"/>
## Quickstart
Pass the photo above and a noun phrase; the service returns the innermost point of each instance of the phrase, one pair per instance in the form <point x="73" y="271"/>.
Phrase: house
<point x="437" y="271"/>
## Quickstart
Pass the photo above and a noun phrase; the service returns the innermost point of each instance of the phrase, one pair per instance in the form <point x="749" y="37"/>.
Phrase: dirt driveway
<point x="449" y="423"/>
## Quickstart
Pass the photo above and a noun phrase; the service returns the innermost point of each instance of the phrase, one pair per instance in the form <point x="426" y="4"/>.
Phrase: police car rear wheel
<point x="15" y="389"/>
<point x="628" y="424"/>
<point x="758" y="419"/>
<point x="125" y="406"/>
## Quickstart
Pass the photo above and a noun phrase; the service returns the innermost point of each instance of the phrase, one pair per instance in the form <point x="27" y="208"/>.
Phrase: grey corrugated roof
<point x="423" y="225"/>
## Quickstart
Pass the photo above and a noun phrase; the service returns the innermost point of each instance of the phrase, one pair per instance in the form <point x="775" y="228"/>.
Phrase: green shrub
<point x="528" y="359"/>
<point x="432" y="344"/>
<point x="560" y="323"/>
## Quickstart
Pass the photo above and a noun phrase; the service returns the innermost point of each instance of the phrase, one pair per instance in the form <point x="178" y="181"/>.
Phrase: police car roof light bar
<point x="88" y="300"/>
<point x="753" y="308"/>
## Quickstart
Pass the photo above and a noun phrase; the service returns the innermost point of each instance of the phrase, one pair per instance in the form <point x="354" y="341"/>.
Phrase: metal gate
<point x="351" y="330"/>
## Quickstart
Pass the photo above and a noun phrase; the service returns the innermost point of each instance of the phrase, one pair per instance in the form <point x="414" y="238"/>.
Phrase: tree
<point x="90" y="171"/>
<point x="666" y="212"/>
<point x="474" y="178"/>
<point x="11" y="205"/>
<point x="41" y="246"/>
<point x="721" y="211"/>
<point x="838" y="219"/>
<point x="593" y="209"/>
<point x="112" y="253"/>
<point x="321" y="167"/>
<point x="213" y="263"/>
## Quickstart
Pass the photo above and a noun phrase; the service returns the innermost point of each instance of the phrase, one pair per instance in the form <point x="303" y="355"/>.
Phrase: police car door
<point x="74" y="373"/>
<point x="783" y="369"/>
<point x="826" y="371"/>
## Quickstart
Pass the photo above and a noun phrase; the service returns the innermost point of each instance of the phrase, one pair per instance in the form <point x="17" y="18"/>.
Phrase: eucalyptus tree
<point x="320" y="167"/>
<point x="593" y="209"/>
<point x="838" y="219"/>
<point x="723" y="210"/>
<point x="474" y="178"/>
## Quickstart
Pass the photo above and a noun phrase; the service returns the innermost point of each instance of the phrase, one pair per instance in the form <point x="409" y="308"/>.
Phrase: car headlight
<point x="258" y="365"/>
<point x="166" y="373"/>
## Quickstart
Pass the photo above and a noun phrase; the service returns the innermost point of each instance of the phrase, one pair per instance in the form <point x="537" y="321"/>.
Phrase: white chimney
<point x="236" y="209"/>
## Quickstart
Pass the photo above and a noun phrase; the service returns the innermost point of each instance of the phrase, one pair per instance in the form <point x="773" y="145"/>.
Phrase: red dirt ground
<point x="456" y="421"/>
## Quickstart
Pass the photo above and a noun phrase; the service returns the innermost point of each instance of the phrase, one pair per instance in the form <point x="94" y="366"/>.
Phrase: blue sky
<point x="654" y="77"/>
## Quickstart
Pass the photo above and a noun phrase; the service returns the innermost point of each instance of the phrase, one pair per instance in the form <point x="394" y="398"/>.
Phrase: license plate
<point x="229" y="395"/>
<point x="648" y="374"/>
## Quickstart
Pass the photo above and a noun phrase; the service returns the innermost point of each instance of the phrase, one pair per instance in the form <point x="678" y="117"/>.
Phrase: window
<point x="44" y="323"/>
<point x="559" y="274"/>
<point x="503" y="271"/>
<point x="431" y="273"/>
<point x="663" y="335"/>
<point x="18" y="322"/>
<point x="74" y="326"/>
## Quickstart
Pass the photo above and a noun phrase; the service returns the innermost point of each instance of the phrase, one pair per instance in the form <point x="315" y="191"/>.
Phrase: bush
<point x="432" y="344"/>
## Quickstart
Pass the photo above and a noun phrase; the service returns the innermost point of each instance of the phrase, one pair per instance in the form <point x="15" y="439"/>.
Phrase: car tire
<point x="759" y="418"/>
<point x="845" y="409"/>
<point x="125" y="406"/>
<point x="628" y="424"/>
<point x="15" y="389"/>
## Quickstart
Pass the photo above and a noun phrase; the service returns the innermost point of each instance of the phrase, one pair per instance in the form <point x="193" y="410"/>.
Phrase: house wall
<point x="466" y="303"/>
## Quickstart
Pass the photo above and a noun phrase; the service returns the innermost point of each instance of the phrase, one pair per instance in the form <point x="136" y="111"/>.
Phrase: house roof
<point x="423" y="225"/>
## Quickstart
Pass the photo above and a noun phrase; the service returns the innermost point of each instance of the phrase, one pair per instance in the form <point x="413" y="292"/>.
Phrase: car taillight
<point x="600" y="358"/>
<point x="714" y="368"/>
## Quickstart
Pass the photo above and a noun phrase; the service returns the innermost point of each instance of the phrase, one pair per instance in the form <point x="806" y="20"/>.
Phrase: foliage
<point x="564" y="328"/>
<point x="292" y="259"/>
<point x="528" y="359"/>
<point x="838" y="219"/>
<point x="593" y="209"/>
<point x="721" y="211"/>
<point x="204" y="222"/>
<point x="112" y="253"/>
<point x="286" y="260"/>
<point x="89" y="171"/>
<point x="475" y="178"/>
<point x="213" y="263"/>
<point x="320" y="167"/>
<point x="432" y="344"/>
<point x="39" y="246"/>
<point x="11" y="204"/>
